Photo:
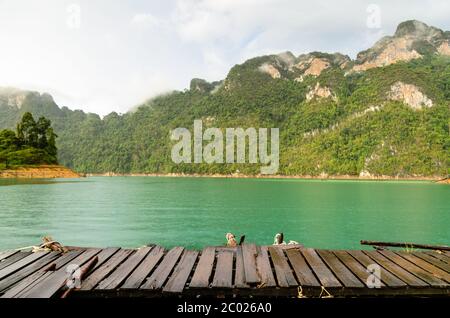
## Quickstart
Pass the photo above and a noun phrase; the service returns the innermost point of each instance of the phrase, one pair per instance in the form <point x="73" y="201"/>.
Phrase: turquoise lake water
<point x="195" y="212"/>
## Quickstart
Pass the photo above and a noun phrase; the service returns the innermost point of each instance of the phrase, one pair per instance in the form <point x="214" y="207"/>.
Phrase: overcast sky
<point x="109" y="55"/>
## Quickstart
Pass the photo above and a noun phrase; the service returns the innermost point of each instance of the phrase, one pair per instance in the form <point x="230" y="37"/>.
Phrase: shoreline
<point x="437" y="179"/>
<point x="39" y="172"/>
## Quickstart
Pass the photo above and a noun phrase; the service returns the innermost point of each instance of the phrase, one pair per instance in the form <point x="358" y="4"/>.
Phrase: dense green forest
<point x="358" y="129"/>
<point x="33" y="143"/>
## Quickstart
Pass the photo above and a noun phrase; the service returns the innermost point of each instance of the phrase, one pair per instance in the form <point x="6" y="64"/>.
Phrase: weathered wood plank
<point x="345" y="276"/>
<point x="119" y="275"/>
<point x="356" y="267"/>
<point x="439" y="256"/>
<point x="443" y="248"/>
<point x="177" y="281"/>
<point x="22" y="285"/>
<point x="304" y="274"/>
<point x="249" y="254"/>
<point x="21" y="263"/>
<point x="223" y="276"/>
<point x="323" y="273"/>
<point x="398" y="271"/>
<point x="264" y="268"/>
<point x="54" y="282"/>
<point x="38" y="280"/>
<point x="283" y="272"/>
<point x="105" y="255"/>
<point x="386" y="277"/>
<point x="104" y="270"/>
<point x="162" y="272"/>
<point x="435" y="271"/>
<point x="203" y="271"/>
<point x="144" y="269"/>
<point x="27" y="270"/>
<point x="14" y="258"/>
<point x="413" y="269"/>
<point x="433" y="260"/>
<point x="6" y="254"/>
<point x="239" y="277"/>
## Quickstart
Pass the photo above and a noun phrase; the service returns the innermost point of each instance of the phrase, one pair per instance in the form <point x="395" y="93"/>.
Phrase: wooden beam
<point x="407" y="245"/>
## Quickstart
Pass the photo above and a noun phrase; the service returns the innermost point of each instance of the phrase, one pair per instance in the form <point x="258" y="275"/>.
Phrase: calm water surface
<point x="194" y="212"/>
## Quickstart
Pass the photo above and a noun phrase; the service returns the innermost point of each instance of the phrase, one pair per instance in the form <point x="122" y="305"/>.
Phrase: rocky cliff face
<point x="410" y="95"/>
<point x="412" y="40"/>
<point x="12" y="97"/>
<point x="319" y="92"/>
<point x="270" y="69"/>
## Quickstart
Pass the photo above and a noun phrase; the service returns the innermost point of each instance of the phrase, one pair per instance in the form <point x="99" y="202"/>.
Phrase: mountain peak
<point x="412" y="40"/>
<point x="417" y="28"/>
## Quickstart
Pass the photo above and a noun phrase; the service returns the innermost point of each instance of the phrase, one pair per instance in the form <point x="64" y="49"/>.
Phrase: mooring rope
<point x="41" y="248"/>
<point x="300" y="292"/>
<point x="328" y="295"/>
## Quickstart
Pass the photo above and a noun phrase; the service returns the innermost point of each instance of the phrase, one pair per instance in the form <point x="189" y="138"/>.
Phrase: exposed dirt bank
<point x="35" y="172"/>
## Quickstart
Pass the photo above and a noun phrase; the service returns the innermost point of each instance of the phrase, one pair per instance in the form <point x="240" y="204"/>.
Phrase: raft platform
<point x="245" y="271"/>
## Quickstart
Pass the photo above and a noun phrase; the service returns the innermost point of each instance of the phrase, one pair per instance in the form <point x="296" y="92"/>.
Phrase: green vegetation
<point x="332" y="136"/>
<point x="33" y="143"/>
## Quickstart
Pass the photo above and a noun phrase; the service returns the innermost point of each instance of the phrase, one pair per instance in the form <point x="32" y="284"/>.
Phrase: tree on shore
<point x="32" y="143"/>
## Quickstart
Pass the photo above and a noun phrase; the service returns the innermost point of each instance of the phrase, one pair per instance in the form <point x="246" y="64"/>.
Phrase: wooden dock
<point x="248" y="270"/>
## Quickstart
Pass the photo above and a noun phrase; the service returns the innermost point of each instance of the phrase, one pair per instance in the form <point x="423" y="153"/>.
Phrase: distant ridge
<point x="383" y="114"/>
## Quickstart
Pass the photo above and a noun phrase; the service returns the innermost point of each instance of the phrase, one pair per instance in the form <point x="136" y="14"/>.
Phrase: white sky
<point x="115" y="54"/>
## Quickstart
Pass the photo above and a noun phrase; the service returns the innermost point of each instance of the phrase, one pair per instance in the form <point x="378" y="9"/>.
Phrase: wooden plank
<point x="323" y="273"/>
<point x="406" y="245"/>
<point x="33" y="284"/>
<point x="159" y="276"/>
<point x="203" y="271"/>
<point x="249" y="254"/>
<point x="21" y="263"/>
<point x="119" y="275"/>
<point x="435" y="271"/>
<point x="435" y="261"/>
<point x="65" y="258"/>
<point x="27" y="270"/>
<point x="41" y="276"/>
<point x="223" y="276"/>
<point x="22" y="285"/>
<point x="144" y="269"/>
<point x="239" y="278"/>
<point x="264" y="268"/>
<point x="439" y="256"/>
<point x="104" y="270"/>
<point x="356" y="267"/>
<point x="54" y="282"/>
<point x="413" y="269"/>
<point x="345" y="276"/>
<point x="386" y="277"/>
<point x="398" y="271"/>
<point x="304" y="274"/>
<point x="14" y="258"/>
<point x="178" y="280"/>
<point x="283" y="272"/>
<point x="6" y="254"/>
<point x="105" y="255"/>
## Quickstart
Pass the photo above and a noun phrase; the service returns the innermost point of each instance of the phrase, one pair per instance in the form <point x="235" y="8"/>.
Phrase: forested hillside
<point x="385" y="113"/>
